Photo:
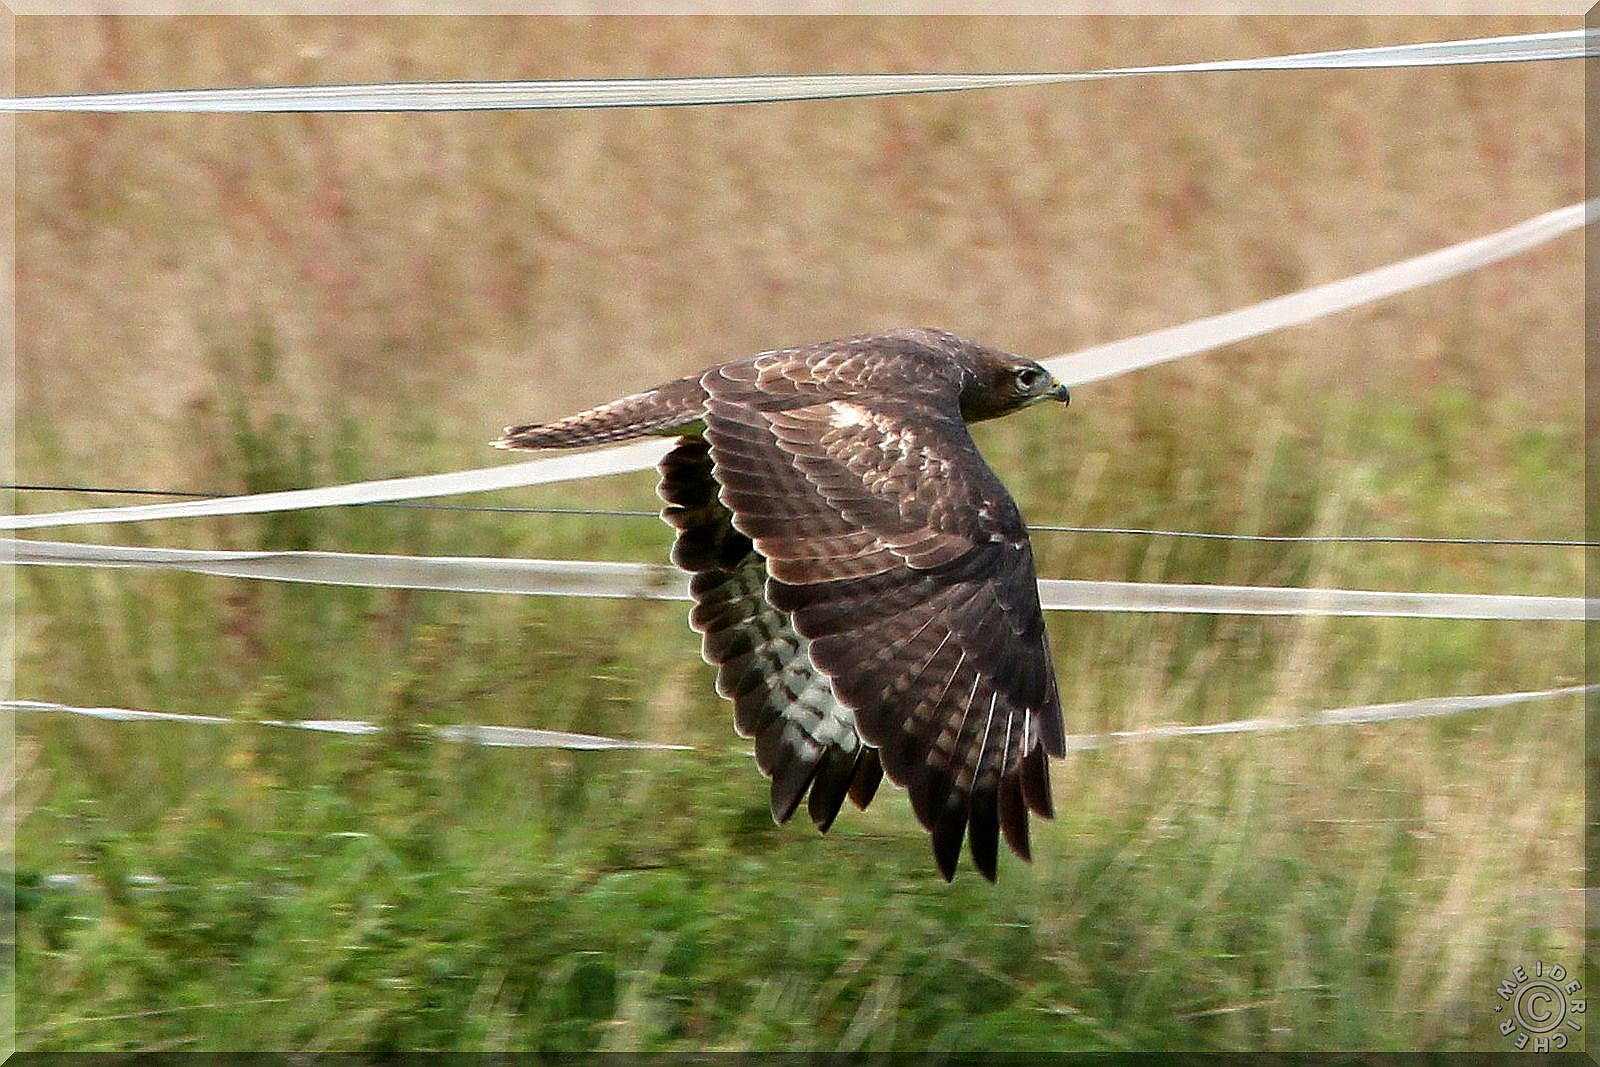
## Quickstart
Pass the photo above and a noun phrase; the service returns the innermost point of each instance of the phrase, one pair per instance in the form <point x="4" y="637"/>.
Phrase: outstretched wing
<point x="902" y="560"/>
<point x="804" y="738"/>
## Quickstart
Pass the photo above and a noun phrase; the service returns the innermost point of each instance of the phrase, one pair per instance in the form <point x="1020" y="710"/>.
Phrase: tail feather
<point x="675" y="407"/>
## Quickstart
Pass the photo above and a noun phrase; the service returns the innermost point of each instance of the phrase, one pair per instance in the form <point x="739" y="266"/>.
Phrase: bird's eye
<point x="1031" y="379"/>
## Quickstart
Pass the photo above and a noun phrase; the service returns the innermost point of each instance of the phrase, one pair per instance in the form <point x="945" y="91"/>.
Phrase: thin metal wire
<point x="1355" y="539"/>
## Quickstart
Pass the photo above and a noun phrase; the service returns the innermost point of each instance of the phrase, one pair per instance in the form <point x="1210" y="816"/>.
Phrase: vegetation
<point x="234" y="887"/>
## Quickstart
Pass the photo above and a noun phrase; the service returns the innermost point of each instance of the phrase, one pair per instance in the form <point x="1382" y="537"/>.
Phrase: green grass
<point x="1337" y="888"/>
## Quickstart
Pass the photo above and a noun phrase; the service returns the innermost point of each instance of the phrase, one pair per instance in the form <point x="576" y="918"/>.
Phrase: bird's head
<point x="1001" y="383"/>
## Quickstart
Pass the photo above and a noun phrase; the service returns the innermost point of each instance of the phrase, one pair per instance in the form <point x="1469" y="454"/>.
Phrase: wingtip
<point x="869" y="773"/>
<point x="1036" y="784"/>
<point x="983" y="832"/>
<point x="792" y="773"/>
<point x="948" y="832"/>
<point x="946" y="858"/>
<point x="985" y="854"/>
<point x="829" y="788"/>
<point x="1013" y="814"/>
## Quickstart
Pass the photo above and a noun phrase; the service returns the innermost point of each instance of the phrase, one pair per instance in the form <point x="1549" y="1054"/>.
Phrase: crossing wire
<point x="588" y="578"/>
<point x="1033" y="527"/>
<point x="491" y="736"/>
<point x="525" y="737"/>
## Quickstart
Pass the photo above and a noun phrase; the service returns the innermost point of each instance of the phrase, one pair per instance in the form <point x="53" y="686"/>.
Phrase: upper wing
<point x="901" y="558"/>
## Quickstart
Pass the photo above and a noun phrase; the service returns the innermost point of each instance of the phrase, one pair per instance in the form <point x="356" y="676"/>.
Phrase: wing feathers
<point x="790" y="759"/>
<point x="983" y="837"/>
<point x="949" y="826"/>
<point x="864" y="785"/>
<point x="804" y="738"/>
<point x="835" y="772"/>
<point x="1036" y="784"/>
<point x="1012" y="813"/>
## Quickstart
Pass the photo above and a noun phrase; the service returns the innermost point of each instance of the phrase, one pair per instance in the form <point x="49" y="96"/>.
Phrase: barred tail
<point x="676" y="407"/>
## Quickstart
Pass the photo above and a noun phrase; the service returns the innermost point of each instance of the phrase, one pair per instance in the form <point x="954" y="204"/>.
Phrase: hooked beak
<point x="1061" y="393"/>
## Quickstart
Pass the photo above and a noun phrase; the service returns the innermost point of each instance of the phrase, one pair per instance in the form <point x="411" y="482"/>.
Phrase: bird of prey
<point x="862" y="581"/>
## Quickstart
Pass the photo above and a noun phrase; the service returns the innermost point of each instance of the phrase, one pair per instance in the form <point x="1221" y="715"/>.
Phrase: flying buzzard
<point x="863" y="581"/>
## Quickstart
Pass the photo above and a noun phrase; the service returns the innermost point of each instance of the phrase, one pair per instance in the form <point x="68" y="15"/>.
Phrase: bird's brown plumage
<point x="862" y="580"/>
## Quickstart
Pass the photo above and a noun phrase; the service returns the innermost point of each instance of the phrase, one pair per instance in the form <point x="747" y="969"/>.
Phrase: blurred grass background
<point x="243" y="304"/>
